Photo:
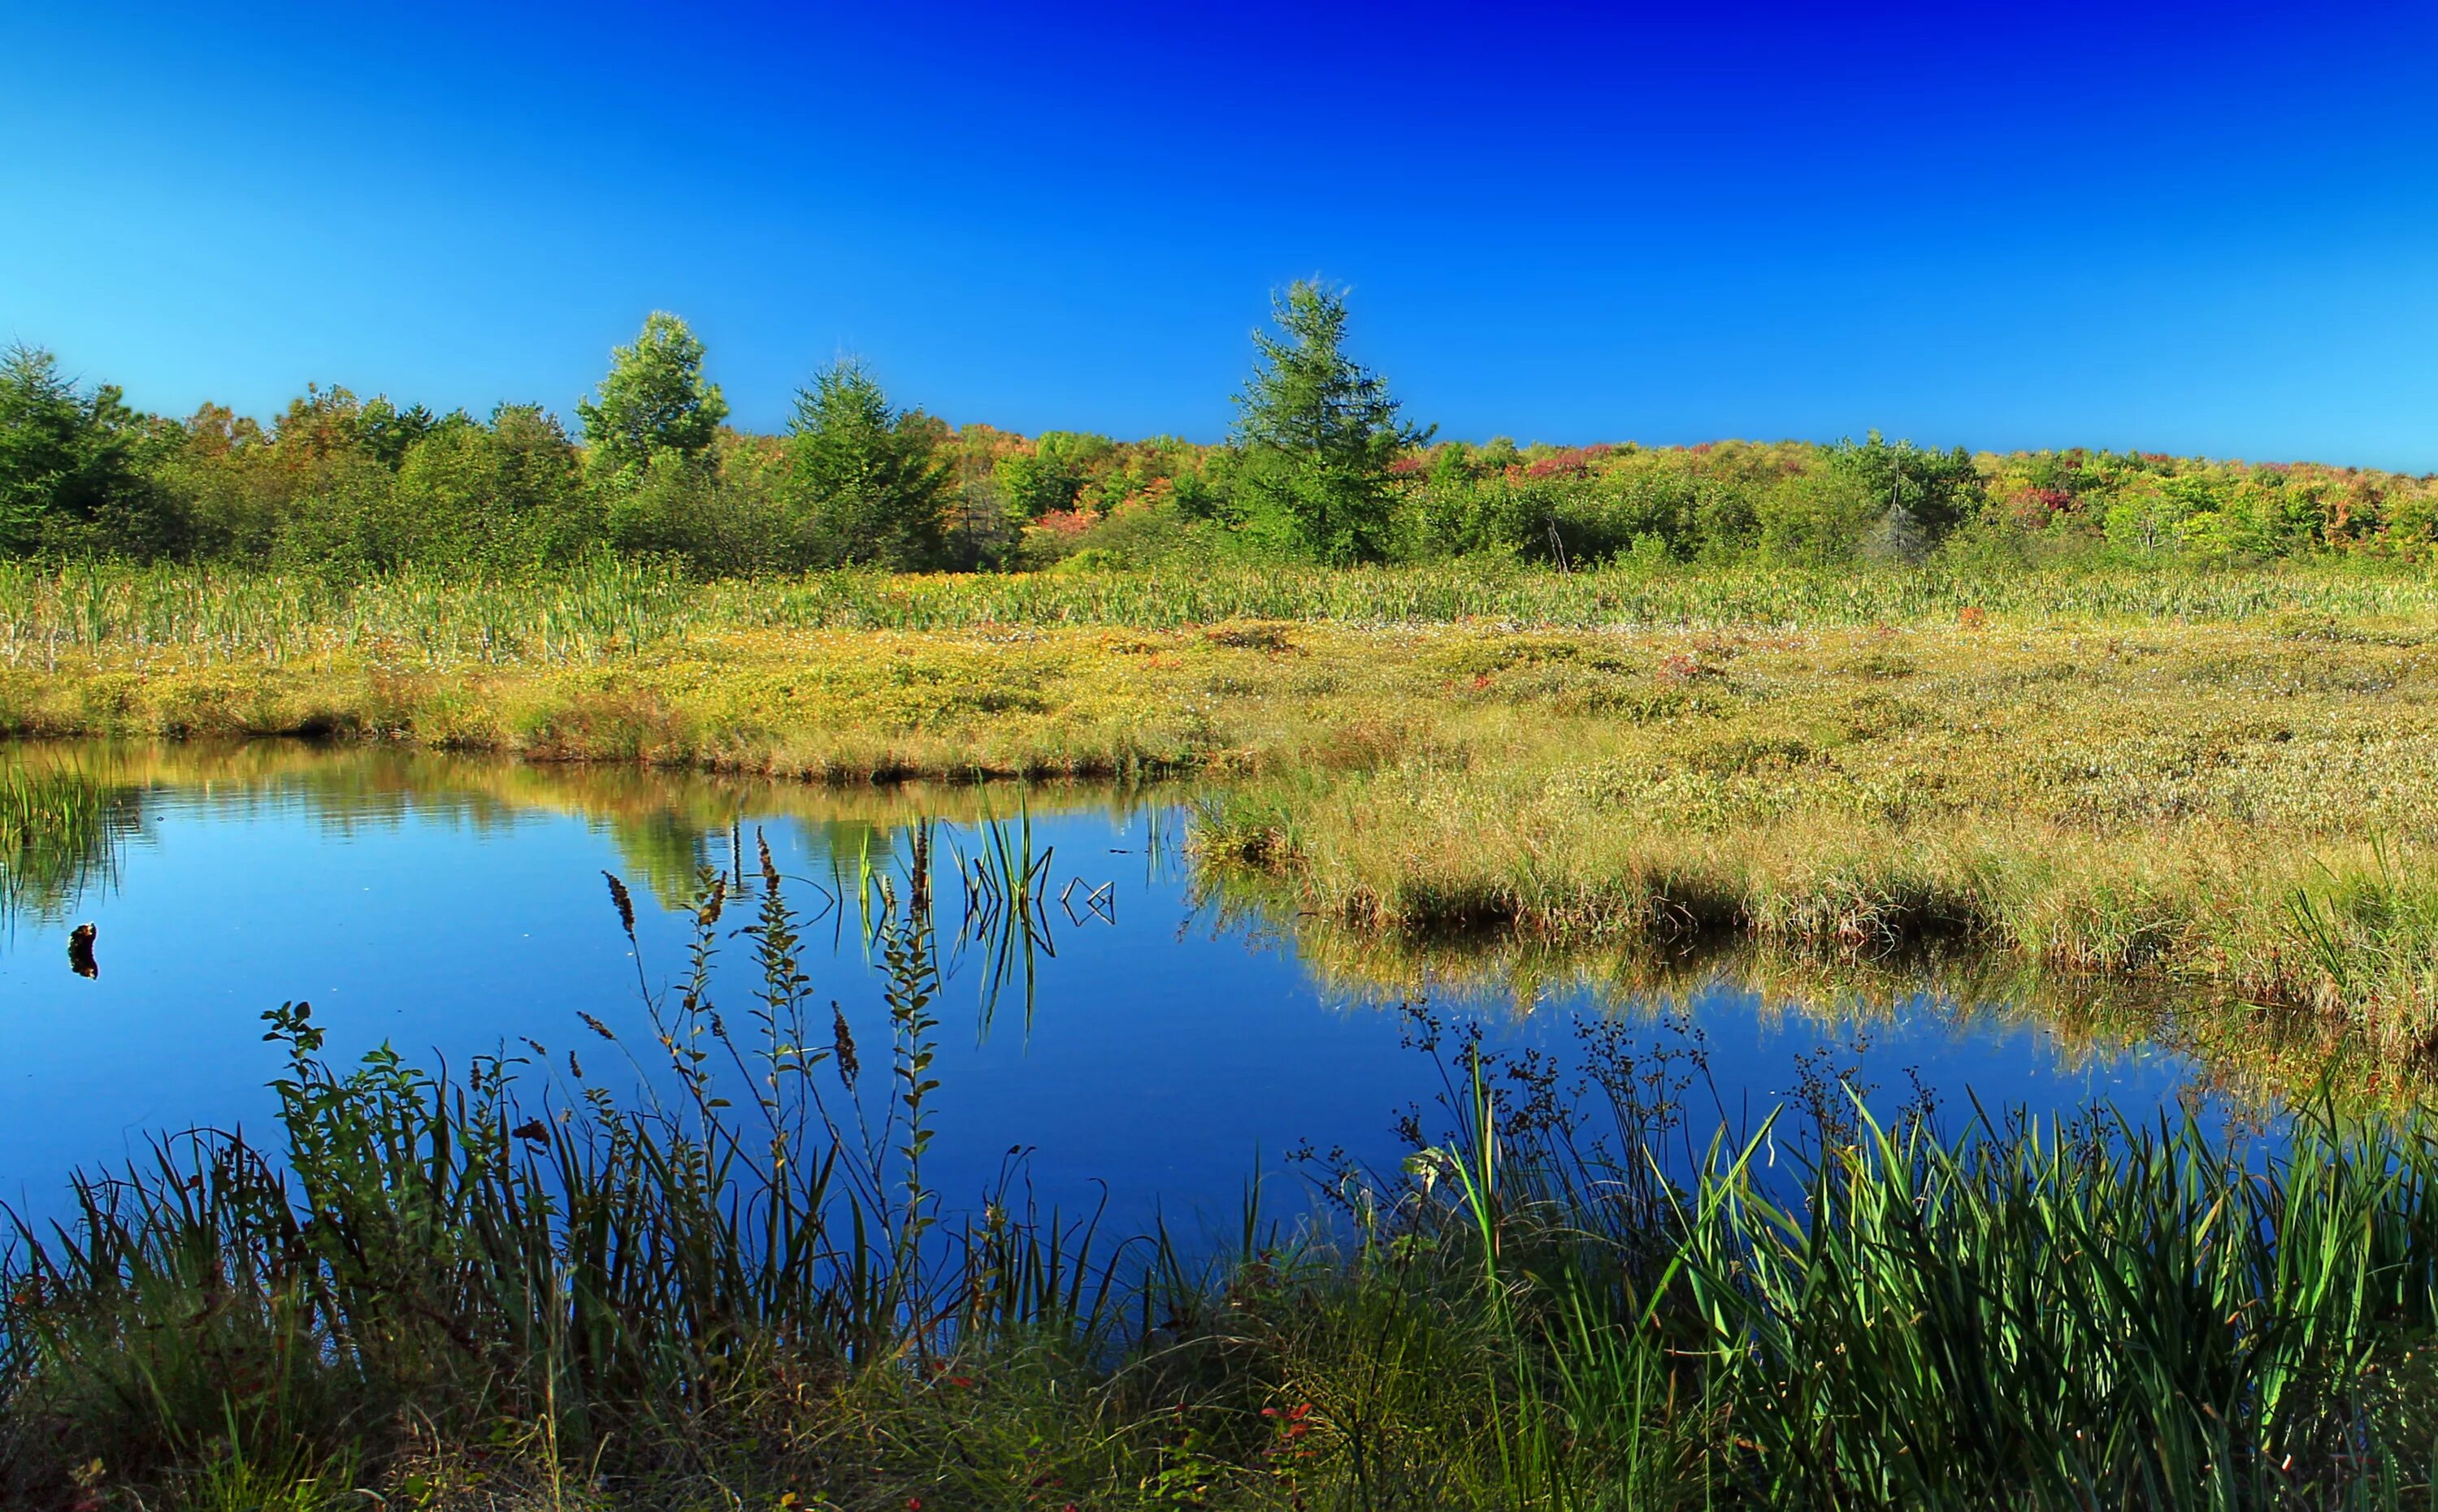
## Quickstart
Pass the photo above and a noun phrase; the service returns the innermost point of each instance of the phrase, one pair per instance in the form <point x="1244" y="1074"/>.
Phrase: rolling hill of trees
<point x="1321" y="465"/>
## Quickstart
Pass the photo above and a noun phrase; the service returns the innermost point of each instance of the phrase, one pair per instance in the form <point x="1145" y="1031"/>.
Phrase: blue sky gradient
<point x="2177" y="228"/>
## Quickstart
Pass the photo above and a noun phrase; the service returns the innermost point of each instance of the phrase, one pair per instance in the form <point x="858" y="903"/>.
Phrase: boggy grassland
<point x="2224" y="779"/>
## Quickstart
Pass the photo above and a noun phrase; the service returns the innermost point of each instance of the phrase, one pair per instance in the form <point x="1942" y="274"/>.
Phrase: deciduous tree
<point x="653" y="401"/>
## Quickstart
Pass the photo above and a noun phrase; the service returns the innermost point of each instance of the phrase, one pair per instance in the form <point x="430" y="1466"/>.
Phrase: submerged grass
<point x="733" y="1287"/>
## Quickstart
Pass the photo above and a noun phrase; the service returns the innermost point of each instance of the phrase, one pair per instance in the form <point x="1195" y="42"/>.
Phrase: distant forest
<point x="1320" y="467"/>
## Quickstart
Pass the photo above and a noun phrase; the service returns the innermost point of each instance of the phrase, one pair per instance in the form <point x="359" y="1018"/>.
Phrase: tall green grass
<point x="1829" y="1310"/>
<point x="1485" y="590"/>
<point x="735" y="1284"/>
<point x="585" y="614"/>
<point x="213" y="614"/>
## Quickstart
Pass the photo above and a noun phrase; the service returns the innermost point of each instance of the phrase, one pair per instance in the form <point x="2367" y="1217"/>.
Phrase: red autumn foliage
<point x="1573" y="462"/>
<point x="1069" y="522"/>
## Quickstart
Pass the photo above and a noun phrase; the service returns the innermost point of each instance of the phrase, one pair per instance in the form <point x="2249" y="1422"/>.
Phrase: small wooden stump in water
<point x="80" y="952"/>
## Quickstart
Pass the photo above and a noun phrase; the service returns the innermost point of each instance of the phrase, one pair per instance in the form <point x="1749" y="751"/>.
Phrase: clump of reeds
<point x="1825" y="1309"/>
<point x="58" y="835"/>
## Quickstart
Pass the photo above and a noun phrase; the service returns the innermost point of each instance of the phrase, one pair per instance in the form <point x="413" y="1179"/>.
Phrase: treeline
<point x="1318" y="466"/>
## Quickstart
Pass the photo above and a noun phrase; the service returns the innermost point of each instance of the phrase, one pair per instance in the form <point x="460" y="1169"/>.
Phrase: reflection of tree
<point x="663" y="848"/>
<point x="64" y="820"/>
<point x="848" y="841"/>
<point x="664" y="824"/>
<point x="666" y="847"/>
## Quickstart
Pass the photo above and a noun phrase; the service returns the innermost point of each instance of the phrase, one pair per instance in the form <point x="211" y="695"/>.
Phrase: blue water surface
<point x="1168" y="1049"/>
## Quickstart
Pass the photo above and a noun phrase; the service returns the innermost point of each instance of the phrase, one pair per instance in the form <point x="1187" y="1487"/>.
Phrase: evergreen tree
<point x="1316" y="435"/>
<point x="654" y="401"/>
<point x="71" y="474"/>
<point x="865" y="482"/>
<point x="41" y="426"/>
<point x="1925" y="494"/>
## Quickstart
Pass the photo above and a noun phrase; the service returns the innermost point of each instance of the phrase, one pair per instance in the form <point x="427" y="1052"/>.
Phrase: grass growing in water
<point x="59" y="830"/>
<point x="735" y="1287"/>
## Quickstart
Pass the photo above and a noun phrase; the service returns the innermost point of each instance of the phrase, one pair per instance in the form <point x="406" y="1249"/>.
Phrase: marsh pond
<point x="1117" y="1023"/>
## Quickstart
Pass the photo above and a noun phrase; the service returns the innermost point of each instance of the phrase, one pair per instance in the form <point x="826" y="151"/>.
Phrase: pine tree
<point x="1316" y="435"/>
<point x="864" y="481"/>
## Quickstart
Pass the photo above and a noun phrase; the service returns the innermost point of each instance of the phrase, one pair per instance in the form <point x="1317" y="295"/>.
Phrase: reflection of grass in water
<point x="670" y="826"/>
<point x="477" y="1292"/>
<point x="59" y="834"/>
<point x="667" y="823"/>
<point x="2250" y="1056"/>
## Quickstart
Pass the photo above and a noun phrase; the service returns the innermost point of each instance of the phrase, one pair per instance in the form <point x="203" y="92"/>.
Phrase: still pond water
<point x="1171" y="1040"/>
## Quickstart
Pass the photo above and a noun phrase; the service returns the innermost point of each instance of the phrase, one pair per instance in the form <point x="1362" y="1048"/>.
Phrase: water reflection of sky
<point x="1165" y="1054"/>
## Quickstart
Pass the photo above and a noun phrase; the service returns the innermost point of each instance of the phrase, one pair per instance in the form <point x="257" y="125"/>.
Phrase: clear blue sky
<point x="2183" y="228"/>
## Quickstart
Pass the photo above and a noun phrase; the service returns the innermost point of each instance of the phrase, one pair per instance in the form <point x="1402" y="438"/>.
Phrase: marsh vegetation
<point x="2219" y="780"/>
<point x="704" y="1265"/>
